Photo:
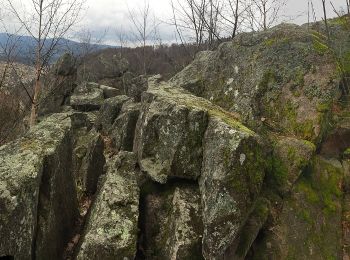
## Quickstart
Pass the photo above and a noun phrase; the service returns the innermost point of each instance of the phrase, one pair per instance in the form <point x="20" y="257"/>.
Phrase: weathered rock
<point x="310" y="224"/>
<point x="135" y="86"/>
<point x="109" y="112"/>
<point x="173" y="225"/>
<point x="290" y="157"/>
<point x="109" y="92"/>
<point x="87" y="97"/>
<point x="37" y="192"/>
<point x="232" y="176"/>
<point x="276" y="80"/>
<point x="250" y="231"/>
<point x="88" y="160"/>
<point x="169" y="134"/>
<point x="65" y="66"/>
<point x="102" y="66"/>
<point x="112" y="226"/>
<point x="57" y="86"/>
<point x="124" y="127"/>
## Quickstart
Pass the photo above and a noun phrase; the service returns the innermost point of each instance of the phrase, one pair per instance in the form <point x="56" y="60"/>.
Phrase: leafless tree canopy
<point x="47" y="21"/>
<point x="143" y="28"/>
<point x="209" y="21"/>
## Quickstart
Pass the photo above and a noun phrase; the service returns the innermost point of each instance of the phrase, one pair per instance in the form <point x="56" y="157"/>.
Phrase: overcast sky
<point x="110" y="15"/>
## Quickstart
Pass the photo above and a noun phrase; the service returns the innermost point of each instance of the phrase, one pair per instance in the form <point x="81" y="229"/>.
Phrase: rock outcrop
<point x="242" y="155"/>
<point x="112" y="228"/>
<point x="38" y="197"/>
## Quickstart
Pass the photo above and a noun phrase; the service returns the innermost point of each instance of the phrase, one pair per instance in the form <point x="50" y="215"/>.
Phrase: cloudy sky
<point x="108" y="16"/>
<point x="112" y="14"/>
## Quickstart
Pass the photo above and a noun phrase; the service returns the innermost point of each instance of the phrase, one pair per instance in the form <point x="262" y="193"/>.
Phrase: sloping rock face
<point x="276" y="79"/>
<point x="38" y="197"/>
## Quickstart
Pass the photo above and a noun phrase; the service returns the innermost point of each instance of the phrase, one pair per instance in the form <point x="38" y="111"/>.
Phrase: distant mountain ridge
<point x="25" y="47"/>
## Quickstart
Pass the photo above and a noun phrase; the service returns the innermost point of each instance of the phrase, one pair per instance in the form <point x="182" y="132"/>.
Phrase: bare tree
<point x="122" y="37"/>
<point x="88" y="42"/>
<point x="265" y="13"/>
<point x="325" y="19"/>
<point x="142" y="28"/>
<point x="49" y="21"/>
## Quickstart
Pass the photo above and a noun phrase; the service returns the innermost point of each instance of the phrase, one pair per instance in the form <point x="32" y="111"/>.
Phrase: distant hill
<point x="25" y="47"/>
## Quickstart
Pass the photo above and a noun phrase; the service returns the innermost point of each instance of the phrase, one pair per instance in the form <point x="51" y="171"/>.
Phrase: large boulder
<point x="102" y="66"/>
<point x="310" y="223"/>
<point x="169" y="134"/>
<point x="65" y="66"/>
<point x="57" y="86"/>
<point x="134" y="86"/>
<point x="278" y="79"/>
<point x="88" y="160"/>
<point x="290" y="157"/>
<point x="37" y="191"/>
<point x="112" y="228"/>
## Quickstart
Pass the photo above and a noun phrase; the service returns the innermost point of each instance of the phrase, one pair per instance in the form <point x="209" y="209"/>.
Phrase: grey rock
<point x="37" y="198"/>
<point x="275" y="80"/>
<point x="88" y="160"/>
<point x="111" y="231"/>
<point x="109" y="92"/>
<point x="65" y="66"/>
<point x="173" y="224"/>
<point x="124" y="127"/>
<point x="135" y="86"/>
<point x="169" y="134"/>
<point x="232" y="176"/>
<point x="102" y="66"/>
<point x="290" y="158"/>
<point x="87" y="97"/>
<point x="108" y="113"/>
<point x="57" y="86"/>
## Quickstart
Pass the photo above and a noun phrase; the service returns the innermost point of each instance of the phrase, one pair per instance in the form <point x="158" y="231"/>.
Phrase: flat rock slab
<point x="87" y="97"/>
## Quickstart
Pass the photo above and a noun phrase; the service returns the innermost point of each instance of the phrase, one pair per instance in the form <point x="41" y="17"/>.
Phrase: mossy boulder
<point x="101" y="66"/>
<point x="87" y="97"/>
<point x="112" y="227"/>
<point x="290" y="158"/>
<point x="88" y="159"/>
<point x="274" y="79"/>
<point x="169" y="134"/>
<point x="310" y="223"/>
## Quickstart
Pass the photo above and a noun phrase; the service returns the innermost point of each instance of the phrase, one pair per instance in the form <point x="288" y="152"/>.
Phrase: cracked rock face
<point x="38" y="202"/>
<point x="111" y="231"/>
<point x="168" y="137"/>
<point x="232" y="176"/>
<point x="173" y="224"/>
